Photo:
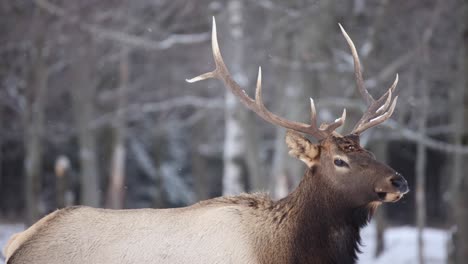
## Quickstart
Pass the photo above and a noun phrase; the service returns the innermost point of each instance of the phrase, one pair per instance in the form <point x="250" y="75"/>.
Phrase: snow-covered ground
<point x="6" y="230"/>
<point x="401" y="246"/>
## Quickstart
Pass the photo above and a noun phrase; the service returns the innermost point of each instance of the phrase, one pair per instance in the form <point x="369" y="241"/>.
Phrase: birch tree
<point x="234" y="142"/>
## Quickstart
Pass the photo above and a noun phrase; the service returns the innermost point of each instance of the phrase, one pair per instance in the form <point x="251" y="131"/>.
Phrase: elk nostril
<point x="397" y="183"/>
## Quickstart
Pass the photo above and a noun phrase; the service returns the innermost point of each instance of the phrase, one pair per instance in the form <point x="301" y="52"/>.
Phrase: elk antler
<point x="221" y="72"/>
<point x="379" y="110"/>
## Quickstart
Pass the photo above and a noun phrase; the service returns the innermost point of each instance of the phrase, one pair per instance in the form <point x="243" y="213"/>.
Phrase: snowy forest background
<point x="95" y="110"/>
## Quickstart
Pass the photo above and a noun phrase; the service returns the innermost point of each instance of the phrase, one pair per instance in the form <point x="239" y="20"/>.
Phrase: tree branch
<point x="167" y="105"/>
<point x="122" y="37"/>
<point x="400" y="131"/>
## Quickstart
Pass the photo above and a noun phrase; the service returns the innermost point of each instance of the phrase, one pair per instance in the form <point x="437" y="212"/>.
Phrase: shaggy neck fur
<point x="316" y="225"/>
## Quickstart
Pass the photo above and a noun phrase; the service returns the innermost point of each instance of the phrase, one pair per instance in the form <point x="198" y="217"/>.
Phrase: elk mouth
<point x="381" y="195"/>
<point x="390" y="196"/>
<point x="392" y="189"/>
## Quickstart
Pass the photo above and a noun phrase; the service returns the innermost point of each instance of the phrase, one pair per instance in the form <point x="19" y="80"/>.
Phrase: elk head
<point x="340" y="160"/>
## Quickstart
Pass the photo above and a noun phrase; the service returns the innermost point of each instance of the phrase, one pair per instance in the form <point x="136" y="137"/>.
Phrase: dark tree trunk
<point x="299" y="47"/>
<point x="83" y="86"/>
<point x="62" y="178"/>
<point x="460" y="180"/>
<point x="34" y="127"/>
<point x="380" y="150"/>
<point x="115" y="192"/>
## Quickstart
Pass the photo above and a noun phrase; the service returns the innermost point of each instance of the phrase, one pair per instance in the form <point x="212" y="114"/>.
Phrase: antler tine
<point x="263" y="112"/>
<point x="388" y="93"/>
<point x="313" y="113"/>
<point x="221" y="72"/>
<point x="329" y="128"/>
<point x="325" y="128"/>
<point x="387" y="102"/>
<point x="219" y="62"/>
<point x="375" y="121"/>
<point x="379" y="110"/>
<point x="357" y="68"/>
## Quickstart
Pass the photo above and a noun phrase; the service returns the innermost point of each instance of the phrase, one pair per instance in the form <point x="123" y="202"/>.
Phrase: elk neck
<point x="321" y="224"/>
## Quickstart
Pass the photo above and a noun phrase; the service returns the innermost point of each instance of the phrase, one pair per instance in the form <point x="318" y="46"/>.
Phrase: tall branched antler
<point x="221" y="72"/>
<point x="379" y="110"/>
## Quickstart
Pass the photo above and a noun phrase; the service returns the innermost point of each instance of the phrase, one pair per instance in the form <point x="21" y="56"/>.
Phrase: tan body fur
<point x="196" y="234"/>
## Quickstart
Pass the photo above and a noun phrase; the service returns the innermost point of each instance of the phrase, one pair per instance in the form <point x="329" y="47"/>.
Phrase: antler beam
<point x="221" y="72"/>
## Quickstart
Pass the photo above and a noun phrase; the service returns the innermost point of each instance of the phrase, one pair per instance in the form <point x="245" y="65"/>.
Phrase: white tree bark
<point x="234" y="142"/>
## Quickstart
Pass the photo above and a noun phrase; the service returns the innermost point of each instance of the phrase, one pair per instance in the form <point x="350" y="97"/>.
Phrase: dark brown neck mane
<point x="320" y="226"/>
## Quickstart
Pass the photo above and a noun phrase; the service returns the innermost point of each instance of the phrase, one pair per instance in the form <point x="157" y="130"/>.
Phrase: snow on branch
<point x="167" y="105"/>
<point x="193" y="101"/>
<point x="425" y="140"/>
<point x="401" y="131"/>
<point x="139" y="42"/>
<point x="122" y="37"/>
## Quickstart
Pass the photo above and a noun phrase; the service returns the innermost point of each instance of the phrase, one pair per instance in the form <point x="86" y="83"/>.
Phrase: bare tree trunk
<point x="62" y="171"/>
<point x="258" y="179"/>
<point x="234" y="144"/>
<point x="298" y="87"/>
<point x="34" y="131"/>
<point x="201" y="182"/>
<point x="380" y="225"/>
<point x="116" y="193"/>
<point x="288" y="171"/>
<point x="145" y="162"/>
<point x="422" y="117"/>
<point x="205" y="167"/>
<point x="175" y="168"/>
<point x="461" y="219"/>
<point x="421" y="179"/>
<point x="284" y="168"/>
<point x="458" y="119"/>
<point x="1" y="152"/>
<point x="459" y="186"/>
<point x="458" y="168"/>
<point x="380" y="151"/>
<point x="420" y="166"/>
<point x="462" y="229"/>
<point x="83" y="88"/>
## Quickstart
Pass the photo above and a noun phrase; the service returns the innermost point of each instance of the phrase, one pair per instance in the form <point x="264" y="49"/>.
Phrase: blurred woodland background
<point x="95" y="110"/>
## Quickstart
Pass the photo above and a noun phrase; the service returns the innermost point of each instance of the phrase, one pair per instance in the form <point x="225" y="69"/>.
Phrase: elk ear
<point x="301" y="148"/>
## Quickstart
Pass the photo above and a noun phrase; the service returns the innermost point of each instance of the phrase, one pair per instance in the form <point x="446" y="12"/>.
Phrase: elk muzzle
<point x="392" y="188"/>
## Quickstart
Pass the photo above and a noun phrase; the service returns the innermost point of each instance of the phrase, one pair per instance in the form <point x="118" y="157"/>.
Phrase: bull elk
<point x="319" y="222"/>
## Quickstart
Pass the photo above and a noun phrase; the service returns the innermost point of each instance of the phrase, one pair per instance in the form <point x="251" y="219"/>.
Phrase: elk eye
<point x="340" y="163"/>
